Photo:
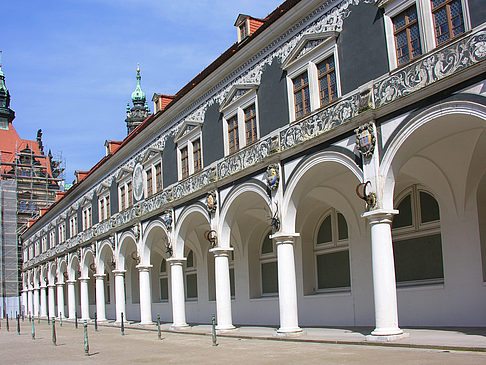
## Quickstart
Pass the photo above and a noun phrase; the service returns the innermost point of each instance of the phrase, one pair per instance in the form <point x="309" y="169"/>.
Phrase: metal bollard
<point x="158" y="327"/>
<point x="54" y="331"/>
<point x="86" y="345"/>
<point x="33" y="331"/>
<point x="22" y="316"/>
<point x="96" y="322"/>
<point x="122" y="326"/>
<point x="18" y="324"/>
<point x="76" y="320"/>
<point x="30" y="319"/>
<point x="213" y="332"/>
<point x="8" y="326"/>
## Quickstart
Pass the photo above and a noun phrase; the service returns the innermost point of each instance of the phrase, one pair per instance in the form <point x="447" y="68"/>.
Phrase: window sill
<point x="317" y="110"/>
<point x="265" y="297"/>
<point x="421" y="284"/>
<point x="330" y="292"/>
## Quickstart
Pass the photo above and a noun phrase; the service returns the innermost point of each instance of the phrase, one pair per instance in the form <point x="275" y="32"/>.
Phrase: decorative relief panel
<point x="445" y="62"/>
<point x="193" y="183"/>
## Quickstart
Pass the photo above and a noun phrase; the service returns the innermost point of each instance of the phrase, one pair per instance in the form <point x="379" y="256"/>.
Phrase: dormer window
<point x="247" y="25"/>
<point x="243" y="31"/>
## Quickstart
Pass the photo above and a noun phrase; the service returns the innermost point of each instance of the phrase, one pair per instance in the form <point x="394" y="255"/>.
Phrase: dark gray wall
<point x="273" y="108"/>
<point x="169" y="162"/>
<point x="94" y="209"/>
<point x="477" y="12"/>
<point x="362" y="47"/>
<point x="212" y="135"/>
<point x="113" y="198"/>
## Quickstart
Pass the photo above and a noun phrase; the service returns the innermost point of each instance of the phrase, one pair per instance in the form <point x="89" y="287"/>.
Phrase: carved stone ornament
<point x="167" y="218"/>
<point x="365" y="140"/>
<point x="211" y="201"/>
<point x="272" y="176"/>
<point x="137" y="182"/>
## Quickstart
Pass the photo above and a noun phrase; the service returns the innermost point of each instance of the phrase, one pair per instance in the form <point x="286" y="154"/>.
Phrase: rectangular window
<point x="102" y="209"/>
<point x="327" y="81"/>
<point x="407" y="35"/>
<point x="149" y="182"/>
<point x="233" y="140"/>
<point x="73" y="226"/>
<point x="184" y="163"/>
<point x="196" y="148"/>
<point x="129" y="194"/>
<point x="164" y="289"/>
<point x="448" y="19"/>
<point x="87" y="218"/>
<point x="122" y="197"/>
<point x="250" y="124"/>
<point x="158" y="177"/>
<point x="269" y="278"/>
<point x="301" y="95"/>
<point x="333" y="270"/>
<point x="191" y="286"/>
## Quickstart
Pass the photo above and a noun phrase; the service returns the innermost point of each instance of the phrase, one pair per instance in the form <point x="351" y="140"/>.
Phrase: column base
<point x="390" y="331"/>
<point x="179" y="327"/>
<point x="386" y="338"/>
<point x="225" y="328"/>
<point x="289" y="331"/>
<point x="146" y="323"/>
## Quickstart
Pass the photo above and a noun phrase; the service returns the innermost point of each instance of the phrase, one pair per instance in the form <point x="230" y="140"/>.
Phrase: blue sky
<point x="70" y="65"/>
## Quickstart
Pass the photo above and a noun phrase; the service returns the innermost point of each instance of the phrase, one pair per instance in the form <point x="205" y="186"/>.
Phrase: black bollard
<point x="18" y="324"/>
<point x="76" y="320"/>
<point x="213" y="332"/>
<point x="30" y="319"/>
<point x="48" y="320"/>
<point x="86" y="345"/>
<point x="33" y="331"/>
<point x="54" y="331"/>
<point x="122" y="327"/>
<point x="96" y="322"/>
<point x="158" y="327"/>
<point x="60" y="319"/>
<point x="8" y="326"/>
<point x="22" y="316"/>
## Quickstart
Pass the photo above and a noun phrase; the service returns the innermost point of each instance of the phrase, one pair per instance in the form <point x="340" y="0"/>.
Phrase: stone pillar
<point x="52" y="303"/>
<point x="223" y="288"/>
<point x="30" y="310"/>
<point x="36" y="302"/>
<point x="384" y="287"/>
<point x="43" y="301"/>
<point x="83" y="283"/>
<point x="177" y="292"/>
<point x="287" y="285"/>
<point x="100" y="297"/>
<point x="60" y="300"/>
<point x="24" y="301"/>
<point x="120" y="294"/>
<point x="71" y="299"/>
<point x="145" y="294"/>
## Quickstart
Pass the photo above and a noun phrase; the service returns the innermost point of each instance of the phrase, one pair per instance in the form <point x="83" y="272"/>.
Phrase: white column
<point x="287" y="285"/>
<point x="83" y="283"/>
<point x="100" y="297"/>
<point x="36" y="302"/>
<point x="71" y="299"/>
<point x="24" y="302"/>
<point x="52" y="304"/>
<point x="177" y="292"/>
<point x="30" y="307"/>
<point x="145" y="294"/>
<point x="384" y="287"/>
<point x="120" y="294"/>
<point x="43" y="301"/>
<point x="223" y="288"/>
<point x="60" y="300"/>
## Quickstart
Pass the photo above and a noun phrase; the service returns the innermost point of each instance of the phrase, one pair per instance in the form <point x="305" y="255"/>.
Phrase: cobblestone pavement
<point x="107" y="346"/>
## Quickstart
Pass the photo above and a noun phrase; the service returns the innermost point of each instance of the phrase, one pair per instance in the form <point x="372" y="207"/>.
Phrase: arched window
<point x="191" y="276"/>
<point x="332" y="253"/>
<point x="268" y="265"/>
<point x="417" y="244"/>
<point x="164" y="281"/>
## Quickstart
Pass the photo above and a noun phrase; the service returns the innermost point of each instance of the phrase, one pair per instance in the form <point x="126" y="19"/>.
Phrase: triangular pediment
<point x="151" y="153"/>
<point x="307" y="44"/>
<point x="187" y="127"/>
<point x="235" y="93"/>
<point x="103" y="187"/>
<point x="124" y="173"/>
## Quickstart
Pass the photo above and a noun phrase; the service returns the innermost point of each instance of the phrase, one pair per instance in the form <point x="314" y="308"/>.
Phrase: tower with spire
<point x="140" y="110"/>
<point x="6" y="114"/>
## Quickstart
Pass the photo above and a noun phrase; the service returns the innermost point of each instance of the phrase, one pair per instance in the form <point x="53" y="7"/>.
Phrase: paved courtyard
<point x="107" y="346"/>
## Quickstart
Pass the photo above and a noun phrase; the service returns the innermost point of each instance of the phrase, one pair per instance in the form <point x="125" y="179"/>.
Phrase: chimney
<point x="246" y="26"/>
<point x="161" y="101"/>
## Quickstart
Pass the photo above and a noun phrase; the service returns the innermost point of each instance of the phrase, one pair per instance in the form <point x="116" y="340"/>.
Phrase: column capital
<point x="60" y="283"/>
<point x="176" y="260"/>
<point x="281" y="238"/>
<point x="221" y="251"/>
<point x="380" y="215"/>
<point x="119" y="272"/>
<point x="84" y="279"/>
<point x="43" y="286"/>
<point x="99" y="276"/>
<point x="51" y="285"/>
<point x="71" y="281"/>
<point x="144" y="267"/>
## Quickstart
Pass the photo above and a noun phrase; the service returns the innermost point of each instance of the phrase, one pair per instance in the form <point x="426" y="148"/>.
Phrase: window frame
<point x="191" y="270"/>
<point x="87" y="217"/>
<point x="164" y="275"/>
<point x="188" y="135"/>
<point x="104" y="207"/>
<point x="267" y="258"/>
<point x="73" y="225"/>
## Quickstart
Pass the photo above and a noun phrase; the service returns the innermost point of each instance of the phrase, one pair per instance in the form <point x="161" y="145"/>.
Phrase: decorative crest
<point x="211" y="201"/>
<point x="365" y="139"/>
<point x="273" y="176"/>
<point x="137" y="182"/>
<point x="212" y="237"/>
<point x="167" y="218"/>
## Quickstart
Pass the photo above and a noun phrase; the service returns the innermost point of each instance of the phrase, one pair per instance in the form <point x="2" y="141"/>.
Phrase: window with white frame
<point x="26" y="254"/>
<point x="415" y="27"/>
<point x="31" y="251"/>
<point x="125" y="195"/>
<point x="191" y="276"/>
<point x="73" y="226"/>
<point x="417" y="243"/>
<point x="163" y="281"/>
<point x="153" y="174"/>
<point x="189" y="150"/>
<point x="104" y="207"/>
<point x="87" y="216"/>
<point x="268" y="266"/>
<point x="61" y="231"/>
<point x="312" y="74"/>
<point x="331" y="251"/>
<point x="52" y="241"/>
<point x="240" y="118"/>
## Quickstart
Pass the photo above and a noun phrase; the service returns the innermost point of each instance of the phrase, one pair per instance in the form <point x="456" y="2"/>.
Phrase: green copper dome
<point x="138" y="96"/>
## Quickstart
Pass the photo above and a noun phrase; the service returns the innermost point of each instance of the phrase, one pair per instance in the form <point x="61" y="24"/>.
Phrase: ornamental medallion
<point x="272" y="176"/>
<point x="365" y="140"/>
<point x="137" y="182"/>
<point x="167" y="218"/>
<point x="211" y="201"/>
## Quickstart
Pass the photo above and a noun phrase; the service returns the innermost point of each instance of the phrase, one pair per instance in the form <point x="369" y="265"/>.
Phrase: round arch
<point x="154" y="231"/>
<point x="194" y="215"/>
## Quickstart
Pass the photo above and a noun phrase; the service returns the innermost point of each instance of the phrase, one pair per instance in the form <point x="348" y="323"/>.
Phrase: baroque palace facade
<point x="326" y="170"/>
